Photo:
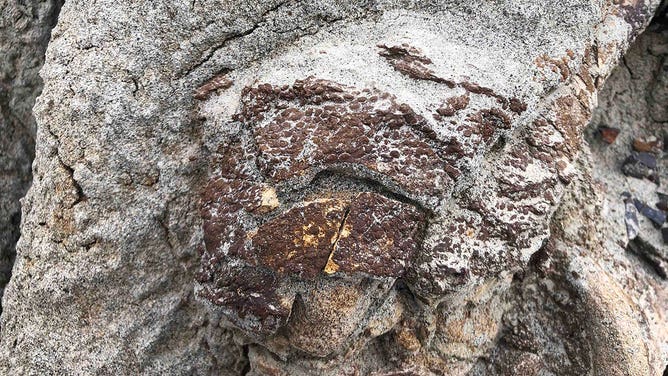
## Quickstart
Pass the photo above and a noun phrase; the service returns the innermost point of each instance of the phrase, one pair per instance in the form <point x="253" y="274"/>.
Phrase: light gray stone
<point x="513" y="271"/>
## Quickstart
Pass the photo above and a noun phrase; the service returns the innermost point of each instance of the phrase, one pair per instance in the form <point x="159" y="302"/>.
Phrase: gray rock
<point x="161" y="188"/>
<point x="641" y="165"/>
<point x="25" y="28"/>
<point x="654" y="215"/>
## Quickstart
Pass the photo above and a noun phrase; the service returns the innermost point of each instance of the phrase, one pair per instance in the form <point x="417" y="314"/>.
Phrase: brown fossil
<point x="292" y="133"/>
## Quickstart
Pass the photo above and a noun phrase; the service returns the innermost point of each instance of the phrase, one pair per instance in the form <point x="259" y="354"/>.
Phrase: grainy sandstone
<point x="335" y="187"/>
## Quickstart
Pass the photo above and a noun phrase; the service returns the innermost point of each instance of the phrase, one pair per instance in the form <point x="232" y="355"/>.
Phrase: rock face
<point x="25" y="28"/>
<point x="342" y="187"/>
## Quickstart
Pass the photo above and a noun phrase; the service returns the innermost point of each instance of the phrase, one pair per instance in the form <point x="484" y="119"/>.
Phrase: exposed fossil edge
<point x="111" y="228"/>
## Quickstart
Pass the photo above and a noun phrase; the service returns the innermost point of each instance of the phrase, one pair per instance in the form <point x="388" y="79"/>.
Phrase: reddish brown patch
<point x="223" y="201"/>
<point x="316" y="123"/>
<point x="572" y="117"/>
<point x="227" y="196"/>
<point x="218" y="82"/>
<point x="556" y="65"/>
<point x="477" y="89"/>
<point x="409" y="61"/>
<point x="587" y="78"/>
<point x="517" y="106"/>
<point x="379" y="237"/>
<point x="649" y="145"/>
<point x="299" y="241"/>
<point x="488" y="121"/>
<point x="453" y="105"/>
<point x="250" y="295"/>
<point x="609" y="135"/>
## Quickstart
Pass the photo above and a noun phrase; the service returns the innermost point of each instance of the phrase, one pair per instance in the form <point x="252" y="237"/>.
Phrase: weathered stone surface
<point x="25" y="28"/>
<point x="333" y="187"/>
<point x="325" y="318"/>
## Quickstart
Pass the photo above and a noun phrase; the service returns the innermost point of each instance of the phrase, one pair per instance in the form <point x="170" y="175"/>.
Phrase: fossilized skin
<point x="326" y="189"/>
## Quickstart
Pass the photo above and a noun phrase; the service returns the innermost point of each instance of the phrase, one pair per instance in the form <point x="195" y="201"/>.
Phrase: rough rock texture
<point x="337" y="187"/>
<point x="25" y="27"/>
<point x="589" y="280"/>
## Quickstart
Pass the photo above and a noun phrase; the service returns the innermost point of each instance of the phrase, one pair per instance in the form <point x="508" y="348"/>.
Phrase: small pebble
<point x="640" y="165"/>
<point x="631" y="220"/>
<point x="647" y="159"/>
<point x="647" y="145"/>
<point x="656" y="216"/>
<point x="608" y="134"/>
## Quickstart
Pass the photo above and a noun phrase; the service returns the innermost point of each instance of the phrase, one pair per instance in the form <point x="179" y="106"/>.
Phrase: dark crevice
<point x="343" y="223"/>
<point x="135" y="84"/>
<point x="659" y="22"/>
<point x="79" y="191"/>
<point x="261" y="21"/>
<point x="162" y="221"/>
<point x="499" y="145"/>
<point x="539" y="258"/>
<point x="363" y="181"/>
<point x="247" y="366"/>
<point x="340" y="180"/>
<point x="70" y="171"/>
<point x="338" y="232"/>
<point x="231" y="36"/>
<point x="217" y="47"/>
<point x="626" y="65"/>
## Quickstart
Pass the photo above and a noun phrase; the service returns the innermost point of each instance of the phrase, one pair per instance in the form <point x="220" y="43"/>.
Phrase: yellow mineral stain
<point x="306" y="239"/>
<point x="470" y="232"/>
<point x="309" y="240"/>
<point x="345" y="231"/>
<point x="331" y="267"/>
